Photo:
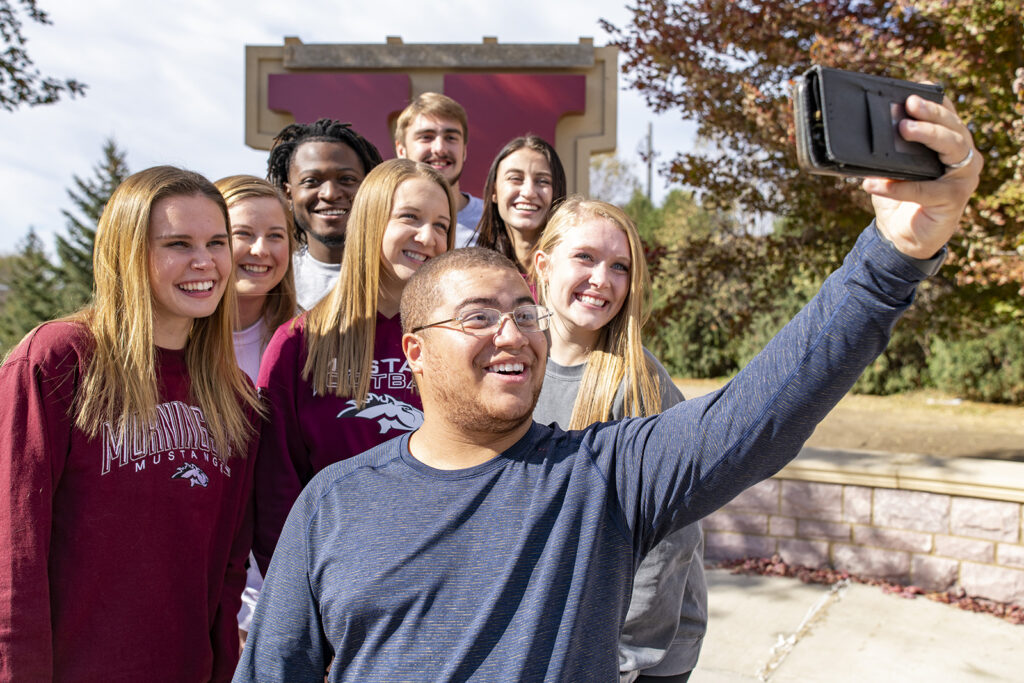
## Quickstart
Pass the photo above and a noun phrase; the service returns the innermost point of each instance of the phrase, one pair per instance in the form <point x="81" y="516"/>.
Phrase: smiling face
<point x="322" y="181"/>
<point x="437" y="142"/>
<point x="480" y="384"/>
<point x="259" y="244"/>
<point x="416" y="231"/>
<point x="523" y="193"/>
<point x="189" y="264"/>
<point x="587" y="278"/>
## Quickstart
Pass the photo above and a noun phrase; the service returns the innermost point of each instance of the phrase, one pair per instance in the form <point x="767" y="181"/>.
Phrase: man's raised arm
<point x="703" y="452"/>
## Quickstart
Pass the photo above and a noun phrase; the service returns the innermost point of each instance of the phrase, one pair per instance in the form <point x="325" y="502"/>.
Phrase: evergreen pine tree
<point x="32" y="296"/>
<point x="74" y="251"/>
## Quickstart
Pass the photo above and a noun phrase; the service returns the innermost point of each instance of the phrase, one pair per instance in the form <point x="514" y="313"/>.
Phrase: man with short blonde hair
<point x="433" y="129"/>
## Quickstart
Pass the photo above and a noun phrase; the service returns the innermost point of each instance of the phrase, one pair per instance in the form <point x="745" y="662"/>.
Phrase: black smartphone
<point x="847" y="125"/>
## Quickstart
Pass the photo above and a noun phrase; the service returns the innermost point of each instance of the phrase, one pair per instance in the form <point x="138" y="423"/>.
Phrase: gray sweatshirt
<point x="668" y="610"/>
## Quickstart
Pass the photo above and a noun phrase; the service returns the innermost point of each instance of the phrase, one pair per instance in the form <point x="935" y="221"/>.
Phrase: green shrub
<point x="691" y="344"/>
<point x="717" y="300"/>
<point x="984" y="368"/>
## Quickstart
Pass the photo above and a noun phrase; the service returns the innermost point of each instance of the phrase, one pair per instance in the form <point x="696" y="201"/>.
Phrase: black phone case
<point x="846" y="125"/>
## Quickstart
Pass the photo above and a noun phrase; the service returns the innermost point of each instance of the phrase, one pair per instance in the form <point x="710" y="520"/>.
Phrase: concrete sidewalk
<point x="782" y="630"/>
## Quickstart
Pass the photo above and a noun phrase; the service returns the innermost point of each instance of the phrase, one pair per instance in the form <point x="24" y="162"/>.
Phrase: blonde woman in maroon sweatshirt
<point x="262" y="244"/>
<point x="125" y="436"/>
<point x="334" y="381"/>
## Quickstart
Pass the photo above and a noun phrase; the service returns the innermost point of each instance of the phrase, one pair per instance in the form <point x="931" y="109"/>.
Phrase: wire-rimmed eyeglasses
<point x="483" y="322"/>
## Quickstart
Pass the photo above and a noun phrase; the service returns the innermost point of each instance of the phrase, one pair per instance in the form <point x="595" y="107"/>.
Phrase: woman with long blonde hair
<point x="590" y="272"/>
<point x="125" y="437"/>
<point x="262" y="244"/>
<point x="335" y="380"/>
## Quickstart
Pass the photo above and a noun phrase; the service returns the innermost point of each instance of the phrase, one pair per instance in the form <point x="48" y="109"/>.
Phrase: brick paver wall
<point x="931" y="540"/>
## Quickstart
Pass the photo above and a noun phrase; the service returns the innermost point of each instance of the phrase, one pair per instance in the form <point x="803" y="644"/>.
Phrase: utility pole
<point x="650" y="163"/>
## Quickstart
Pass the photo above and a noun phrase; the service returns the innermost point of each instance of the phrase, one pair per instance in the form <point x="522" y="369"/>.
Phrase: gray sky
<point x="166" y="80"/>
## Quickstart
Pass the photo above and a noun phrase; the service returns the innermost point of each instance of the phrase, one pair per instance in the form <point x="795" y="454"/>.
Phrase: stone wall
<point x="935" y="523"/>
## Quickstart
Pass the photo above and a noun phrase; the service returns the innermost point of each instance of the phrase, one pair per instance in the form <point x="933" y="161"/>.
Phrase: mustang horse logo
<point x="389" y="412"/>
<point x="191" y="472"/>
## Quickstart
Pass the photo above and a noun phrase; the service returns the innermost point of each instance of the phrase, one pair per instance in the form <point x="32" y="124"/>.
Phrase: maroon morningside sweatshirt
<point x="123" y="556"/>
<point x="305" y="433"/>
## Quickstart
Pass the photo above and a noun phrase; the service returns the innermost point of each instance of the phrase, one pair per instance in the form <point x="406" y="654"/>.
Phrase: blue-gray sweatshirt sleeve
<point x="677" y="467"/>
<point x="290" y="646"/>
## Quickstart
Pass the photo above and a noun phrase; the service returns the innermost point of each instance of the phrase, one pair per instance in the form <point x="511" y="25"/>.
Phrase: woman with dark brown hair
<point x="525" y="183"/>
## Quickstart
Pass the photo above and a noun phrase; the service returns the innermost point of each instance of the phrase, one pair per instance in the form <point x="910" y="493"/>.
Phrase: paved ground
<point x="785" y="631"/>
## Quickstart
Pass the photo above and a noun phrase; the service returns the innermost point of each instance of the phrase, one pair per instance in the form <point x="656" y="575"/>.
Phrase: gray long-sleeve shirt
<point x="668" y="609"/>
<point x="520" y="568"/>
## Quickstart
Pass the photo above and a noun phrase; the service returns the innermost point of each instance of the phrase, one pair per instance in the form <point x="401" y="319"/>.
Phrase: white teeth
<point x="507" y="368"/>
<point x="415" y="256"/>
<point x="250" y="268"/>
<point x="593" y="301"/>
<point x="332" y="212"/>
<point x="197" y="286"/>
<point x="521" y="206"/>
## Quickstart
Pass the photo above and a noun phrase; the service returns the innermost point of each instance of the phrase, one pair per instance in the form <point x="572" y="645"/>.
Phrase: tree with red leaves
<point x="729" y="65"/>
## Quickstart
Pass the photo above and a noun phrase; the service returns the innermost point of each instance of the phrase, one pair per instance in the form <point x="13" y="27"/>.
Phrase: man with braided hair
<point x="319" y="166"/>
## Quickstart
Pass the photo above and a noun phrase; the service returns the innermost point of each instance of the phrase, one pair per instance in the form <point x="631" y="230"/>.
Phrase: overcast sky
<point x="166" y="81"/>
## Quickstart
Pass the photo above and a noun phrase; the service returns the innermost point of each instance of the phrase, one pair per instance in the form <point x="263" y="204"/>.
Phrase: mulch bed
<point x="774" y="566"/>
